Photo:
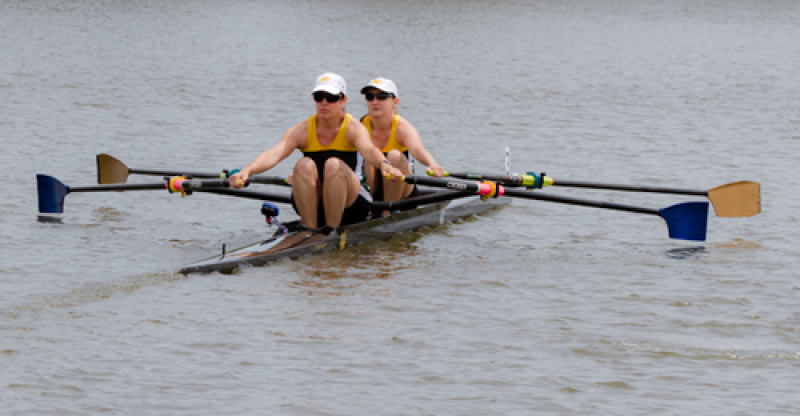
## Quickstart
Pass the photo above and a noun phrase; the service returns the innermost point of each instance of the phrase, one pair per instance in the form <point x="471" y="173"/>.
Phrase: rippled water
<point x="538" y="308"/>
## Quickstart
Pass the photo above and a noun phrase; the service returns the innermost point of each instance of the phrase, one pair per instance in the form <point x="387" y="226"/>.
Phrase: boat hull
<point x="383" y="228"/>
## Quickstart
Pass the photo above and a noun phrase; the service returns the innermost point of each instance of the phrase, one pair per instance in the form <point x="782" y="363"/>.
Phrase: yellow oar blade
<point x="737" y="199"/>
<point x="110" y="170"/>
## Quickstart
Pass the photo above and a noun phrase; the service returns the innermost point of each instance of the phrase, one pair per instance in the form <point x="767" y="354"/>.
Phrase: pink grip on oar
<point x="176" y="184"/>
<point x="485" y="189"/>
<point x="489" y="189"/>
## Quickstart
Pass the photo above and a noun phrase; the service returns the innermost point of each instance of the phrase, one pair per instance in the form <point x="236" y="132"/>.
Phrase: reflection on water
<point x="739" y="244"/>
<point x="687" y="253"/>
<point x="363" y="263"/>
<point x="50" y="218"/>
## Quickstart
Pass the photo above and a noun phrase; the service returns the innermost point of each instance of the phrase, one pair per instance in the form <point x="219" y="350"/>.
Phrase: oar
<point x="732" y="200"/>
<point x="52" y="191"/>
<point x="111" y="170"/>
<point x="685" y="221"/>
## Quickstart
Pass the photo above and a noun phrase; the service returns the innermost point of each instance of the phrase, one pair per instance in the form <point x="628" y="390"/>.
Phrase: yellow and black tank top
<point x="339" y="147"/>
<point x="392" y="143"/>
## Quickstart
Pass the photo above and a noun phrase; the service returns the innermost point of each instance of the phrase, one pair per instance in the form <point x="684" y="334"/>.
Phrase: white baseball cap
<point x="383" y="84"/>
<point x="330" y="83"/>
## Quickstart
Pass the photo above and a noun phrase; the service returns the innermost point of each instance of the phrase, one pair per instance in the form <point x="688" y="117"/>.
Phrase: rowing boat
<point x="296" y="244"/>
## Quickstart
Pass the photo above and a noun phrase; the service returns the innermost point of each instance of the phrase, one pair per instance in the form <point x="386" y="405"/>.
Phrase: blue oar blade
<point x="51" y="194"/>
<point x="687" y="221"/>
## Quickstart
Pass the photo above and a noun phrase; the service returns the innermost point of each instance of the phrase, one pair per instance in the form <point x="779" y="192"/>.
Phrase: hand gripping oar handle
<point x="686" y="221"/>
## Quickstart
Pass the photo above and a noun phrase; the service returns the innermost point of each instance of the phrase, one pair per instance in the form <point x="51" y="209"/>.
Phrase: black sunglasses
<point x="379" y="95"/>
<point x="320" y="95"/>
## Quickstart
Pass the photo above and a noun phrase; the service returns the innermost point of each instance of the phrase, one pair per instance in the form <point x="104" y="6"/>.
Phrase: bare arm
<point x="358" y="136"/>
<point x="407" y="135"/>
<point x="268" y="159"/>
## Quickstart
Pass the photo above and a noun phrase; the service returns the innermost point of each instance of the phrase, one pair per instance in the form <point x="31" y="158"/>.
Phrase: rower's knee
<point x="305" y="170"/>
<point x="397" y="158"/>
<point x="334" y="167"/>
<point x="399" y="161"/>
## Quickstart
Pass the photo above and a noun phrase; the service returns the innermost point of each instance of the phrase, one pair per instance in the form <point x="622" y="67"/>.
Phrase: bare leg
<point x="306" y="190"/>
<point x="371" y="177"/>
<point x="393" y="191"/>
<point x="339" y="190"/>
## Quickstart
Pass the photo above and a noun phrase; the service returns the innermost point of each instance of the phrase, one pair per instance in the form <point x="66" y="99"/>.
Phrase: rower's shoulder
<point x="298" y="133"/>
<point x="404" y="127"/>
<point x="355" y="125"/>
<point x="300" y="127"/>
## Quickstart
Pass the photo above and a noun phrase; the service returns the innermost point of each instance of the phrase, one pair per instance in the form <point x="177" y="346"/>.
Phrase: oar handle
<point x="181" y="184"/>
<point x="478" y="188"/>
<point x="269" y="180"/>
<point x="531" y="180"/>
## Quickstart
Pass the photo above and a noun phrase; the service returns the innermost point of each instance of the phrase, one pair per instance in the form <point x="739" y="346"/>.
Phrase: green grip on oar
<point x="533" y="181"/>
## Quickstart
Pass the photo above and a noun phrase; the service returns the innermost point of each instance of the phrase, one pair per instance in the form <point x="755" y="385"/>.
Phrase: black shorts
<point x="357" y="212"/>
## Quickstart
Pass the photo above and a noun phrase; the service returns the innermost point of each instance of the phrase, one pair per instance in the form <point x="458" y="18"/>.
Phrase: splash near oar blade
<point x="687" y="221"/>
<point x="737" y="199"/>
<point x="51" y="194"/>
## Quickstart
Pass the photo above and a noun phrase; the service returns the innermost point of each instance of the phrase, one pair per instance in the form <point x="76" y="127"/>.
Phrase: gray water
<point x="540" y="308"/>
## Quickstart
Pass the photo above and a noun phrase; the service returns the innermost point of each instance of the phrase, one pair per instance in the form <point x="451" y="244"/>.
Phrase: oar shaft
<point x="631" y="188"/>
<point x="419" y="200"/>
<point x="153" y="172"/>
<point x="250" y="194"/>
<point x="118" y="187"/>
<point x="576" y="201"/>
<point x="262" y="179"/>
<point x="178" y="184"/>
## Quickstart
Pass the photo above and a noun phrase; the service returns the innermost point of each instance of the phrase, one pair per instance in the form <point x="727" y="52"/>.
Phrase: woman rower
<point x="326" y="191"/>
<point x="396" y="138"/>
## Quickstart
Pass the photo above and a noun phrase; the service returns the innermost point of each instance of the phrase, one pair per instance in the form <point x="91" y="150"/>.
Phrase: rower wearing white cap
<point x="325" y="187"/>
<point x="397" y="139"/>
